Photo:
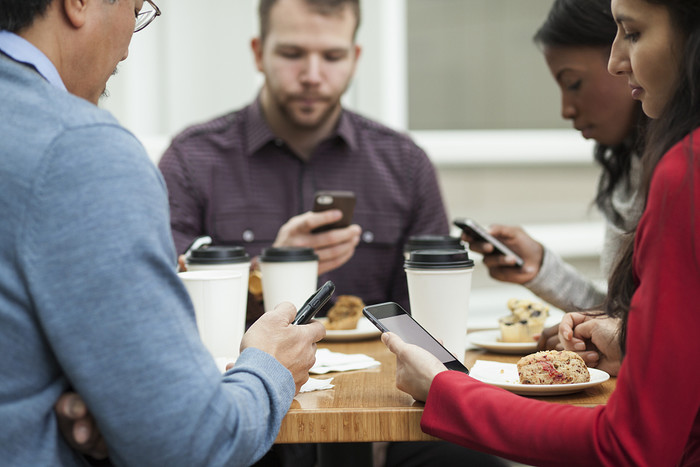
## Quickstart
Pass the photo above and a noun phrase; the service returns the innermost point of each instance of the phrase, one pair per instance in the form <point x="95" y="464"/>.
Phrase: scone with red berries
<point x="553" y="367"/>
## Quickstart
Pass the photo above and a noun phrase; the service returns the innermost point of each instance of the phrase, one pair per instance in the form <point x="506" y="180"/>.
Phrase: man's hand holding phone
<point x="314" y="303"/>
<point x="334" y="247"/>
<point x="293" y="346"/>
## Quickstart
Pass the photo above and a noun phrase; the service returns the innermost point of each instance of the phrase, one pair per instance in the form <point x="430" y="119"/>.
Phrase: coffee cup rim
<point x="287" y="255"/>
<point x="439" y="259"/>
<point x="432" y="241"/>
<point x="218" y="254"/>
<point x="210" y="275"/>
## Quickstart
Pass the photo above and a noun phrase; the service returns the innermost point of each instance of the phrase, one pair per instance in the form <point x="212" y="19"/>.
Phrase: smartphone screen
<point x="392" y="318"/>
<point x="314" y="303"/>
<point x="476" y="231"/>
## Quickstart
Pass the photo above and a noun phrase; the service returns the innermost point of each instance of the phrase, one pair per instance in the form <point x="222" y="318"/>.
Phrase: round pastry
<point x="553" y="367"/>
<point x="345" y="314"/>
<point x="526" y="320"/>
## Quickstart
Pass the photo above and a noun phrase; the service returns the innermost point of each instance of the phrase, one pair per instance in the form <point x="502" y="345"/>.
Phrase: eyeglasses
<point x="148" y="13"/>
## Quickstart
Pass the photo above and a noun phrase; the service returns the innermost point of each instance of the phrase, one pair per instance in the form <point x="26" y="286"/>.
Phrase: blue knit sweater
<point x="89" y="299"/>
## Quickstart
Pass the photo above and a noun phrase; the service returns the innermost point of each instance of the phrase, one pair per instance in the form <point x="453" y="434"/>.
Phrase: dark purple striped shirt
<point x="232" y="179"/>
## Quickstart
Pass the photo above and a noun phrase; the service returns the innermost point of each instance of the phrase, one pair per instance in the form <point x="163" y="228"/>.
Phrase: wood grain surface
<point x="365" y="405"/>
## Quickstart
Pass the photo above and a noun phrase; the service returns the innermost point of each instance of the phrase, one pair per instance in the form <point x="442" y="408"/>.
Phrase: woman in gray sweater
<point x="575" y="40"/>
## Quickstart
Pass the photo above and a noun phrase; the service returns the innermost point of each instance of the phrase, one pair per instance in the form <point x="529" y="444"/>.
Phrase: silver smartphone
<point x="390" y="317"/>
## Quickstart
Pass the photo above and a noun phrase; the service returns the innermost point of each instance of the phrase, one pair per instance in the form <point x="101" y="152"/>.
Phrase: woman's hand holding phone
<point x="415" y="367"/>
<point x="500" y="266"/>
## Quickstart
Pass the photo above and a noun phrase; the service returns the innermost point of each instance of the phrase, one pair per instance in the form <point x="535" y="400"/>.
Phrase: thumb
<point x="287" y="311"/>
<point x="392" y="341"/>
<point x="499" y="231"/>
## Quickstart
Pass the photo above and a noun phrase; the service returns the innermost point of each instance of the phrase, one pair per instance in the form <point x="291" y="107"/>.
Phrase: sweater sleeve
<point x="563" y="286"/>
<point x="100" y="264"/>
<point x="652" y="417"/>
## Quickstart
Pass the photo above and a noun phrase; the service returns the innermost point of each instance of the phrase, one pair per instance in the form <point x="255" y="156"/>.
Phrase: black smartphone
<point x="315" y="302"/>
<point x="390" y="317"/>
<point x="476" y="231"/>
<point x="343" y="200"/>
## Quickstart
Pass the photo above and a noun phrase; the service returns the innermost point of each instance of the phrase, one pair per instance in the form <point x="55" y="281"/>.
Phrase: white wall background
<point x="194" y="63"/>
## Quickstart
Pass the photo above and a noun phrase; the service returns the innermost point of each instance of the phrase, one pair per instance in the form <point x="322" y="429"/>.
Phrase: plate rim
<point x="500" y="346"/>
<point x="550" y="389"/>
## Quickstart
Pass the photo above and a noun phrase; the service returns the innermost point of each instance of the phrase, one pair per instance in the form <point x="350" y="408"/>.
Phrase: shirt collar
<point x="23" y="51"/>
<point x="346" y="130"/>
<point x="259" y="132"/>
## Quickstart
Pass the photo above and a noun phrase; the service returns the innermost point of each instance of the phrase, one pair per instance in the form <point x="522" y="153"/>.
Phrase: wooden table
<point x="365" y="406"/>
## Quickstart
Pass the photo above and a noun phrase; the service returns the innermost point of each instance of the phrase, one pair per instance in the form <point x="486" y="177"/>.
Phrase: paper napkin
<point x="496" y="372"/>
<point x="327" y="361"/>
<point x="315" y="384"/>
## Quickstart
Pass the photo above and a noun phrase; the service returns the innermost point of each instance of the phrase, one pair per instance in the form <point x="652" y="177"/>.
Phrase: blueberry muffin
<point x="526" y="320"/>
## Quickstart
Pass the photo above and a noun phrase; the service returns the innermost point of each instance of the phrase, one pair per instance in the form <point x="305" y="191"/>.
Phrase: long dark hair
<point x="679" y="117"/>
<point x="573" y="23"/>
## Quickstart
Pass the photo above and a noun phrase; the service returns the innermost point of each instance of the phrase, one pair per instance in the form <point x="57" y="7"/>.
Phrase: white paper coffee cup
<point x="223" y="258"/>
<point x="289" y="274"/>
<point x="439" y="285"/>
<point x="217" y="306"/>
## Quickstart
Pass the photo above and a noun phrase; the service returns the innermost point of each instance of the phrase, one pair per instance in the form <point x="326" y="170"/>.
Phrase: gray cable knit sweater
<point x="566" y="288"/>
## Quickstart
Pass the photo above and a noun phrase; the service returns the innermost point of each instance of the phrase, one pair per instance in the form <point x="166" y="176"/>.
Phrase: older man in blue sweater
<point x="79" y="196"/>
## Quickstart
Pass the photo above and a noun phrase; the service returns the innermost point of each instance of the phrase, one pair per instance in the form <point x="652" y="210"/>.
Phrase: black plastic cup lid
<point x="432" y="242"/>
<point x="439" y="259"/>
<point x="218" y="254"/>
<point x="287" y="254"/>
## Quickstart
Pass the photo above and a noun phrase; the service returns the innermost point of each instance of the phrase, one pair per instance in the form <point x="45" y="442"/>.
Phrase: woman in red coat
<point x="653" y="417"/>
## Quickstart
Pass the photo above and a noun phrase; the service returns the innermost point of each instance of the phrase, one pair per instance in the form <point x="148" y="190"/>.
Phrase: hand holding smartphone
<point x="314" y="303"/>
<point x="390" y="317"/>
<point x="343" y="200"/>
<point x="476" y="231"/>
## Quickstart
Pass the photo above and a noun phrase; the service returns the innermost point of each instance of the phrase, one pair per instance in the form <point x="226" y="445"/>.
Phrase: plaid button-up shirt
<point x="233" y="179"/>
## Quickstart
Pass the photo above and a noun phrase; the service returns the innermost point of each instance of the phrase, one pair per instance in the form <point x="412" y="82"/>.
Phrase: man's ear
<point x="256" y="44"/>
<point x="358" y="52"/>
<point x="76" y="11"/>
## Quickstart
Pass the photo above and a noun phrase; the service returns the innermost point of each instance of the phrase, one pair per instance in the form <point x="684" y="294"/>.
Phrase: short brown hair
<point x="323" y="7"/>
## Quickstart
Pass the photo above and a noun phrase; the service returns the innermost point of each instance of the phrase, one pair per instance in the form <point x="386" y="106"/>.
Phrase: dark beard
<point x="325" y="116"/>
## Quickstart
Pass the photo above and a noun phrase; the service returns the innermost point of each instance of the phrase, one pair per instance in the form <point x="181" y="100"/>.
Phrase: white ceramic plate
<point x="505" y="375"/>
<point x="365" y="330"/>
<point x="491" y="340"/>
